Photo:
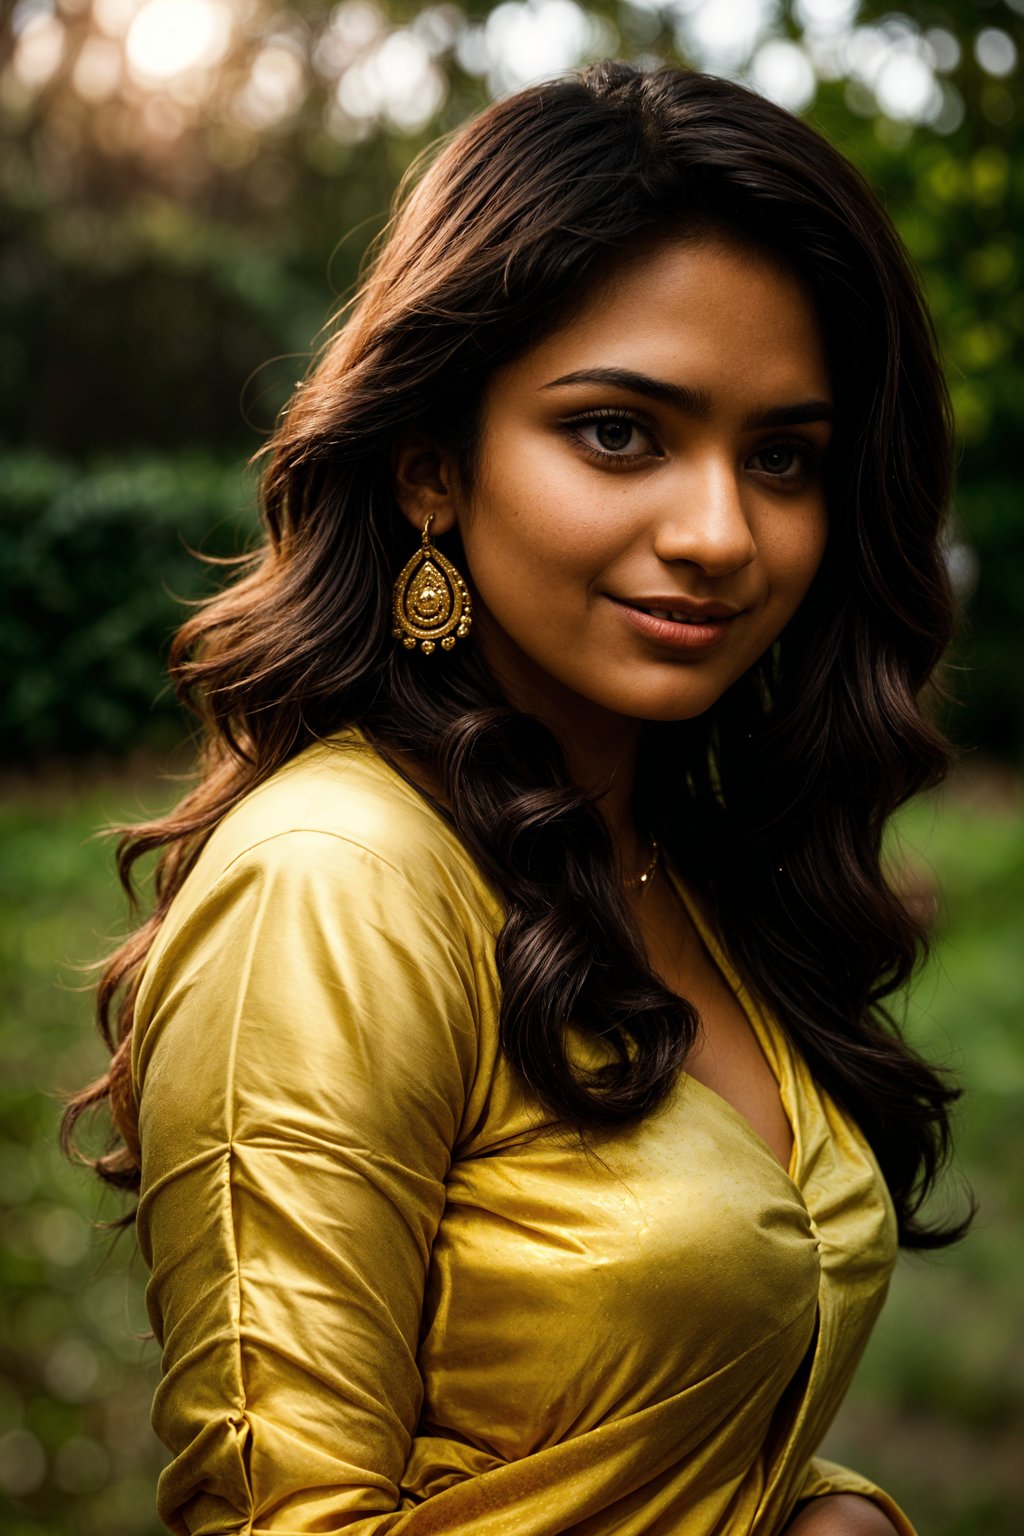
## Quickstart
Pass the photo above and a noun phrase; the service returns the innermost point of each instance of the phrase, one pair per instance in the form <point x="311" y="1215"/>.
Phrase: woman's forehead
<point x="698" y="318"/>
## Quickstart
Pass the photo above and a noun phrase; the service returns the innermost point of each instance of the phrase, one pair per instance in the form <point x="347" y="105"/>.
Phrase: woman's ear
<point x="424" y="479"/>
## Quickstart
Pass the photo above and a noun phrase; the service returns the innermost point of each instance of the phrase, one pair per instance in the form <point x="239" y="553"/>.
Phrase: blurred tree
<point x="184" y="185"/>
<point x="187" y="183"/>
<point x="956" y="192"/>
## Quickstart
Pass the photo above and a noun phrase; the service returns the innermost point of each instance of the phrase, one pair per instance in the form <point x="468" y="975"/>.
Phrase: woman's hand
<point x="840" y="1514"/>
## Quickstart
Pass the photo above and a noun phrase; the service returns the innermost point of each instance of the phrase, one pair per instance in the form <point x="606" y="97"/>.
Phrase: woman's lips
<point x="701" y="632"/>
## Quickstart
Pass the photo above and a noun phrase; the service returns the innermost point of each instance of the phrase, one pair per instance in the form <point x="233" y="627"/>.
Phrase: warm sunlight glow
<point x="526" y="41"/>
<point x="97" y="69"/>
<point x="170" y="37"/>
<point x="114" y="17"/>
<point x="275" y="88"/>
<point x="397" y="82"/>
<point x="39" y="50"/>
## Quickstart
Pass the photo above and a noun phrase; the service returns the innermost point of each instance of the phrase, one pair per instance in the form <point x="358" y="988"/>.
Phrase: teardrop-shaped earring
<point x="431" y="601"/>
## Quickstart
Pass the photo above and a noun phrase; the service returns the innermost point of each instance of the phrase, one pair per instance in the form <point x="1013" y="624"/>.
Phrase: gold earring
<point x="431" y="600"/>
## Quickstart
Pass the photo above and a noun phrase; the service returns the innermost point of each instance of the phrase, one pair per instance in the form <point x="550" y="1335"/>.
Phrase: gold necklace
<point x="646" y="875"/>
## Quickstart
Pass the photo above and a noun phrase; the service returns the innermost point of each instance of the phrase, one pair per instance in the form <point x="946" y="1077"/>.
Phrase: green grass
<point x="76" y="1372"/>
<point x="937" y="1411"/>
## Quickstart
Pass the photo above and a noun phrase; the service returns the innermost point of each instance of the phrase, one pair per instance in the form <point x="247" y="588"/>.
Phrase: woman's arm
<point x="307" y="1035"/>
<point x="840" y="1514"/>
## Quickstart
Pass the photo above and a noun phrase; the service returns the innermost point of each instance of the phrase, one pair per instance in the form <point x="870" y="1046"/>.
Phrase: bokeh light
<point x="396" y="76"/>
<point x="275" y="89"/>
<point x="98" y="69"/>
<point x="905" y="86"/>
<point x="825" y="16"/>
<point x="527" y="41"/>
<point x="723" y="33"/>
<point x="395" y="82"/>
<point x="782" y="71"/>
<point x="169" y="37"/>
<point x="115" y="16"/>
<point x="996" y="52"/>
<point x="22" y="1463"/>
<point x="39" y="47"/>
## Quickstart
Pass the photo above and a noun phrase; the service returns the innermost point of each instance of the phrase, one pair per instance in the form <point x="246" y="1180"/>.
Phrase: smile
<point x="677" y="618"/>
<point x="697" y="628"/>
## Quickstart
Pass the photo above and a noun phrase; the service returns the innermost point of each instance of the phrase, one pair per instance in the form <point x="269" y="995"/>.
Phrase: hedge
<point x="98" y="564"/>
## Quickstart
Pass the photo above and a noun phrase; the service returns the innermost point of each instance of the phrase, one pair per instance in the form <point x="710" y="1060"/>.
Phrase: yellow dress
<point x="389" y="1298"/>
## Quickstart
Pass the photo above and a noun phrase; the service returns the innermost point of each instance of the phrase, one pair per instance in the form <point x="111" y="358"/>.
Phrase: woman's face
<point x="647" y="510"/>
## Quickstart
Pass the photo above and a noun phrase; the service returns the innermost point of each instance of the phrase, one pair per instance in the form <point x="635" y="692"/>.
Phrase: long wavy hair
<point x="773" y="803"/>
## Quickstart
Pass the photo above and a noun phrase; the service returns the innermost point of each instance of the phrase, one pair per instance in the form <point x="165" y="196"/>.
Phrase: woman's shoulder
<point x="341" y="795"/>
<point x="332" y="904"/>
<point x="339" y="838"/>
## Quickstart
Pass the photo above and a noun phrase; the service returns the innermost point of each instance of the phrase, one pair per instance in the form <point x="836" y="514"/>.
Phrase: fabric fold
<point x="390" y="1297"/>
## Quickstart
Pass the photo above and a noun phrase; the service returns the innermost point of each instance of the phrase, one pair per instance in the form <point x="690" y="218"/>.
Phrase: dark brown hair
<point x="773" y="804"/>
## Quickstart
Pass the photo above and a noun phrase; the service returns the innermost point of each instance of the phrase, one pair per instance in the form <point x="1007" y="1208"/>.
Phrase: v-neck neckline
<point x="773" y="1047"/>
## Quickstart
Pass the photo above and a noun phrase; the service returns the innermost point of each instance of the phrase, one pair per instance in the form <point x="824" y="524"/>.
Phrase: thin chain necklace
<point x="646" y="875"/>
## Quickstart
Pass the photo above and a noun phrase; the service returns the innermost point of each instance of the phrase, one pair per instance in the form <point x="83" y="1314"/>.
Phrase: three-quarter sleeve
<point x="306" y="1037"/>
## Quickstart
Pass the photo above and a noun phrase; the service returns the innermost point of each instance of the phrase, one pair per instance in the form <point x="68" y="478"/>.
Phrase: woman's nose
<point x="703" y="520"/>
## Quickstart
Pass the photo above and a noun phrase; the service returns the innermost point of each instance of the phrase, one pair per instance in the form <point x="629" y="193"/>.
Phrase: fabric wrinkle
<point x="392" y="1297"/>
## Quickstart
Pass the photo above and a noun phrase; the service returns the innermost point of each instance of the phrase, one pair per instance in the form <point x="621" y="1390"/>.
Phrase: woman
<point x="524" y="1142"/>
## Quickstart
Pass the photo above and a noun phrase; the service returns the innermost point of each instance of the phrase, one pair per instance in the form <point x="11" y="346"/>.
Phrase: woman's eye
<point x="786" y="461"/>
<point x="614" y="436"/>
<point x="617" y="436"/>
<point x="778" y="461"/>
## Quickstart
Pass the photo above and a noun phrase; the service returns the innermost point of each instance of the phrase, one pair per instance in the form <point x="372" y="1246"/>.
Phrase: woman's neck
<point x="605" y="763"/>
<point x="600" y="746"/>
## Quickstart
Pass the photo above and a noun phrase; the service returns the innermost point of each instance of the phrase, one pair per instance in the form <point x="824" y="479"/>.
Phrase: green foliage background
<point x="163" y="281"/>
<point x="165" y="269"/>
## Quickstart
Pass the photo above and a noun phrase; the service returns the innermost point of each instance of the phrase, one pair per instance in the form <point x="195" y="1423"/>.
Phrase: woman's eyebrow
<point x="791" y="415"/>
<point x="694" y="402"/>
